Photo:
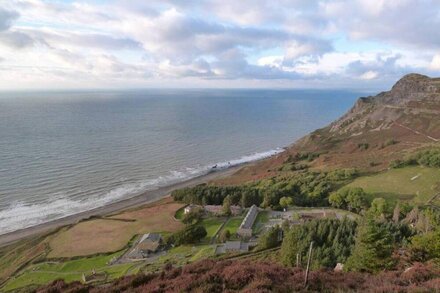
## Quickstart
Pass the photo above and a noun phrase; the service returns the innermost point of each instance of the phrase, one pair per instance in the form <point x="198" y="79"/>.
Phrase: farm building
<point x="190" y="208"/>
<point x="218" y="210"/>
<point x="245" y="229"/>
<point x="232" y="246"/>
<point x="149" y="243"/>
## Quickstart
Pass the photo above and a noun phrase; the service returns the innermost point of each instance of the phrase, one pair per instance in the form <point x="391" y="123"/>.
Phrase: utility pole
<point x="306" y="277"/>
<point x="297" y="260"/>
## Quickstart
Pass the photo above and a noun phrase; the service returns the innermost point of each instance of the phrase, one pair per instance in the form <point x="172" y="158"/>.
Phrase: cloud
<point x="16" y="39"/>
<point x="412" y="23"/>
<point x="435" y="63"/>
<point x="326" y="42"/>
<point x="6" y="18"/>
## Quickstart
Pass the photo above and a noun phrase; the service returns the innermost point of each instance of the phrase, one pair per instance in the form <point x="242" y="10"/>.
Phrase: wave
<point x="22" y="215"/>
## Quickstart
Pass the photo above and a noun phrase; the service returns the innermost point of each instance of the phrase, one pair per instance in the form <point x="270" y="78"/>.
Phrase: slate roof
<point x="248" y="221"/>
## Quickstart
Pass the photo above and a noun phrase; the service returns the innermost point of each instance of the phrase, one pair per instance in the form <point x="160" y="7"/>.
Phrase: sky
<point x="353" y="44"/>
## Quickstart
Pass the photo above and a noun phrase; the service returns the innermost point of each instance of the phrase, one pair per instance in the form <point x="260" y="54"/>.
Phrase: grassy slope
<point x="45" y="272"/>
<point x="397" y="184"/>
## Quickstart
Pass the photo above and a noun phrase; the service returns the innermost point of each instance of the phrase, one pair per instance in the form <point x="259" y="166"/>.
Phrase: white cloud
<point x="369" y="75"/>
<point x="122" y="43"/>
<point x="435" y="63"/>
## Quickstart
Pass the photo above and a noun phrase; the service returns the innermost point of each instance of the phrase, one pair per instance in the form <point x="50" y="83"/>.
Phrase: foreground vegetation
<point x="250" y="276"/>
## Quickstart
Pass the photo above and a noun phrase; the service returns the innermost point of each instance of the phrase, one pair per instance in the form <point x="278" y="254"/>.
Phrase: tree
<point x="227" y="206"/>
<point x="285" y="202"/>
<point x="353" y="199"/>
<point x="356" y="199"/>
<point x="373" y="248"/>
<point x="224" y="235"/>
<point x="333" y="242"/>
<point x="193" y="217"/>
<point x="379" y="208"/>
<point x="189" y="235"/>
<point x="337" y="200"/>
<point x="270" y="239"/>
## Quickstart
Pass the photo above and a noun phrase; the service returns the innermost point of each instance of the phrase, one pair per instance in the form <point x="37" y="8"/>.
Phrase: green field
<point x="212" y="225"/>
<point x="233" y="224"/>
<point x="43" y="273"/>
<point x="418" y="184"/>
<point x="179" y="213"/>
<point x="262" y="218"/>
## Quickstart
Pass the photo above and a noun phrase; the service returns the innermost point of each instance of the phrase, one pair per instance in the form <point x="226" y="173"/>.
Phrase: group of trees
<point x="304" y="189"/>
<point x="272" y="238"/>
<point x="333" y="241"/>
<point x="189" y="235"/>
<point x="352" y="199"/>
<point x="193" y="217"/>
<point x="428" y="158"/>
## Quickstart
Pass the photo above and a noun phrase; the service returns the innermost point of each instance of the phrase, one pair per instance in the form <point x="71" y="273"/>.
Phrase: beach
<point x="114" y="208"/>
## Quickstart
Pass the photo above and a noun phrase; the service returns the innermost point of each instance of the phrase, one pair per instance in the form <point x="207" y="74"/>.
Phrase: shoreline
<point x="145" y="197"/>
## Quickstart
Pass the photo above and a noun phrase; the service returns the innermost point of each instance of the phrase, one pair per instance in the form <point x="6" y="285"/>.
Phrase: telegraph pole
<point x="306" y="277"/>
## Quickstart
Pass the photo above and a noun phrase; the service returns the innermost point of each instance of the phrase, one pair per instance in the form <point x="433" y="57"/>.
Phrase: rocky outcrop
<point x="414" y="94"/>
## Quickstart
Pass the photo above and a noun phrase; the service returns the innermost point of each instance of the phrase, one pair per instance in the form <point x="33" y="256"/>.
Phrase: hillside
<point x="375" y="131"/>
<point x="248" y="276"/>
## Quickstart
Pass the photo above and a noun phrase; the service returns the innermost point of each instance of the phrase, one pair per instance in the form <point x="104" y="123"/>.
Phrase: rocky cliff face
<point x="412" y="98"/>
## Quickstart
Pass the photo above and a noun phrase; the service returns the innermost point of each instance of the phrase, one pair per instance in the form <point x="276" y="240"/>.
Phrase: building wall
<point x="244" y="232"/>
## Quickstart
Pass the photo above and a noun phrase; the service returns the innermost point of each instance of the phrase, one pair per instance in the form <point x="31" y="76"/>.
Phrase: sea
<point x="66" y="152"/>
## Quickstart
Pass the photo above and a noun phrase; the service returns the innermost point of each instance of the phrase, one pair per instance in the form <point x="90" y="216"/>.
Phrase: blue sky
<point x="356" y="44"/>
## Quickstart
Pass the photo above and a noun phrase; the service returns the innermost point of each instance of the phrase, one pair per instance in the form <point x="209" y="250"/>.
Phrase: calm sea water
<point x="65" y="152"/>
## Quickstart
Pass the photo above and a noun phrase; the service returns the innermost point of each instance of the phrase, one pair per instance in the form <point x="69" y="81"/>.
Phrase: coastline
<point x="145" y="197"/>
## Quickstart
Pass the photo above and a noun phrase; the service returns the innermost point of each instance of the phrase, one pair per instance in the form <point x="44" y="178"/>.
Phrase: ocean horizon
<point x="65" y="152"/>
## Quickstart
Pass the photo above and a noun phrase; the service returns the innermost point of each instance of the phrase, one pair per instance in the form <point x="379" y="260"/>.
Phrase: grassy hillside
<point x="417" y="184"/>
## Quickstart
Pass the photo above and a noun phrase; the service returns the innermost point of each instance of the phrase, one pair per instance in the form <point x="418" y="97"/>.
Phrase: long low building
<point x="245" y="229"/>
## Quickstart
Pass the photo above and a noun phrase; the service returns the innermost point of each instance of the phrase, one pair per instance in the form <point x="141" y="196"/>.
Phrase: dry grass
<point x="105" y="235"/>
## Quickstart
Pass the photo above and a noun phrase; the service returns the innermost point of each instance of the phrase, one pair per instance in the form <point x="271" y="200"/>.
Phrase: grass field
<point x="211" y="225"/>
<point x="262" y="218"/>
<point x="46" y="272"/>
<point x="179" y="213"/>
<point x="114" y="233"/>
<point x="418" y="184"/>
<point x="233" y="224"/>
